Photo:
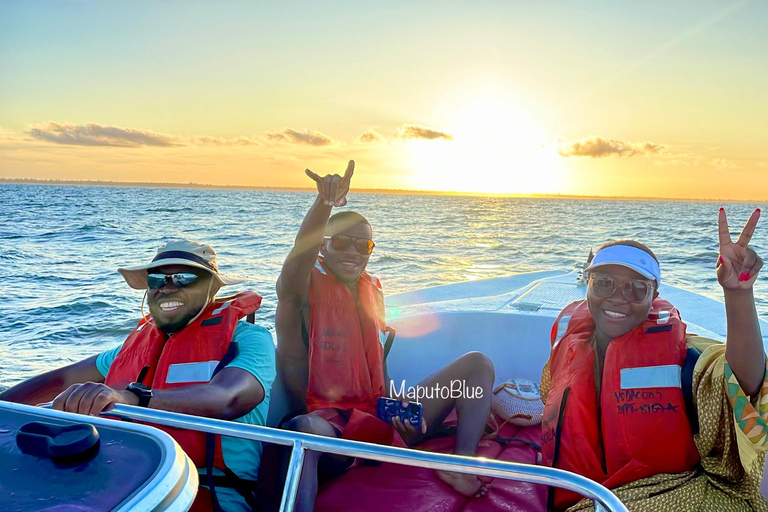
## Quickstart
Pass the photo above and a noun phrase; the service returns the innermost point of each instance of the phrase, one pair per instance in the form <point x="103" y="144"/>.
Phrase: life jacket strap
<point x="686" y="382"/>
<point x="210" y="442"/>
<point x="210" y="446"/>
<point x="390" y="340"/>
<point x="556" y="454"/>
<point x="245" y="488"/>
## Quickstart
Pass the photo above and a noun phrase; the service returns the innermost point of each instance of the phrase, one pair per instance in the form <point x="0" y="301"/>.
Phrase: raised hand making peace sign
<point x="738" y="264"/>
<point x="333" y="188"/>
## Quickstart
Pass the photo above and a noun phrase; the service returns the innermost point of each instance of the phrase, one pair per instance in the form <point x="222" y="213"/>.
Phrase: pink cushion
<point x="506" y="494"/>
<point x="394" y="487"/>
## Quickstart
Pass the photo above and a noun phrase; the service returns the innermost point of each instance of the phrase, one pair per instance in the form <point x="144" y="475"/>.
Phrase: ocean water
<point x="60" y="246"/>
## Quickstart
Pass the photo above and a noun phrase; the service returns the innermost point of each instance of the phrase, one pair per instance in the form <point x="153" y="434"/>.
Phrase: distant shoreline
<point x="119" y="184"/>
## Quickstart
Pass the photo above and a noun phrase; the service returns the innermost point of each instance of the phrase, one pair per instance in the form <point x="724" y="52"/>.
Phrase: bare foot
<point x="464" y="484"/>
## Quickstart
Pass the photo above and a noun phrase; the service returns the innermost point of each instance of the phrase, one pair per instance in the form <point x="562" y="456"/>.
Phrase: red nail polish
<point x="722" y="209"/>
<point x="720" y="260"/>
<point x="744" y="277"/>
<point x="757" y="210"/>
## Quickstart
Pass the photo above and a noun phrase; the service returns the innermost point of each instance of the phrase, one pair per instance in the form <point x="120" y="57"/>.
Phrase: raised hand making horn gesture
<point x="333" y="188"/>
<point x="737" y="269"/>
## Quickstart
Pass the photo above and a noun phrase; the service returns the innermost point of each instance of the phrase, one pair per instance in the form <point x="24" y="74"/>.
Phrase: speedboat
<point x="507" y="318"/>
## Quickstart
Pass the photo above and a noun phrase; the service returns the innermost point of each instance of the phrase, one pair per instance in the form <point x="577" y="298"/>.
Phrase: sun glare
<point x="496" y="148"/>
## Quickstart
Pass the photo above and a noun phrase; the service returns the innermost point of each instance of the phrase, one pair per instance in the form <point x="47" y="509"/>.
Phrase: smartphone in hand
<point x="386" y="408"/>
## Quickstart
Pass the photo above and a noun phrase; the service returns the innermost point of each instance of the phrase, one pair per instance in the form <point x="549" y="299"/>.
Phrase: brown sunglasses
<point x="342" y="242"/>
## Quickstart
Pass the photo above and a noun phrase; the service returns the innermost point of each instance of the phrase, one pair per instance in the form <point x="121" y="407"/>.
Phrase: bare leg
<point x="475" y="371"/>
<point x="310" y="424"/>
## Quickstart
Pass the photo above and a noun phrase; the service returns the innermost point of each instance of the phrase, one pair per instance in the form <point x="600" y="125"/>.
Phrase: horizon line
<point x="204" y="186"/>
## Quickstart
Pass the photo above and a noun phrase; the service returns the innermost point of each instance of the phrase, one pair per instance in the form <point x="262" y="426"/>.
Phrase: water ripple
<point x="64" y="299"/>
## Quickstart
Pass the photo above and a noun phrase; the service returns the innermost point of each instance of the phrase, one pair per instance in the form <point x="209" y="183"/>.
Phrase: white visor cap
<point x="630" y="257"/>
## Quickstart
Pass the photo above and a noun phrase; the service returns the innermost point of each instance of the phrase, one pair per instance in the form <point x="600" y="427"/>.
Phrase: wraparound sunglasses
<point x="180" y="280"/>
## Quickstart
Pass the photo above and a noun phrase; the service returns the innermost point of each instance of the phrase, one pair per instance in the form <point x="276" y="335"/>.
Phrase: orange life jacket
<point x="346" y="354"/>
<point x="189" y="356"/>
<point x="640" y="428"/>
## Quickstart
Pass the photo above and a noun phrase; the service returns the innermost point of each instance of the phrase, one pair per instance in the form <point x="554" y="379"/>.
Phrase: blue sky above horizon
<point x="664" y="99"/>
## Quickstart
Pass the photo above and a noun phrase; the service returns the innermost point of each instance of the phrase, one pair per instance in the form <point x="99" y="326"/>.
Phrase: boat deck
<point x="509" y="319"/>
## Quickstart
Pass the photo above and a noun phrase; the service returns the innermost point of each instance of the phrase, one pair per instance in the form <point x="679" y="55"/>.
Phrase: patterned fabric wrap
<point x="753" y="423"/>
<point x="518" y="401"/>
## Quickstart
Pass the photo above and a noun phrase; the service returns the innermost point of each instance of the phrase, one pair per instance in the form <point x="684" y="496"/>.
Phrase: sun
<point x="496" y="148"/>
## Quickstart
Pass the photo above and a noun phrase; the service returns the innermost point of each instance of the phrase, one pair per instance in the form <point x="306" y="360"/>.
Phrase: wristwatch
<point x="142" y="391"/>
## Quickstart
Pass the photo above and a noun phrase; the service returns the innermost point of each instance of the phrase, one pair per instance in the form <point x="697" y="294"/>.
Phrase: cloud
<point x="598" y="147"/>
<point x="207" y="140"/>
<point x="722" y="163"/>
<point x="370" y="137"/>
<point x="309" y="137"/>
<point x="676" y="162"/>
<point x="9" y="135"/>
<point x="93" y="134"/>
<point x="416" y="131"/>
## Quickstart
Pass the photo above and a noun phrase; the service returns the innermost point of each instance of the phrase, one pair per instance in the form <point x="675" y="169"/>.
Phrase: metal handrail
<point x="301" y="442"/>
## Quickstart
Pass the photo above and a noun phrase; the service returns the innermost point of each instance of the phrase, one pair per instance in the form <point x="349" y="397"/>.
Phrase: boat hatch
<point x="54" y="460"/>
<point x="552" y="295"/>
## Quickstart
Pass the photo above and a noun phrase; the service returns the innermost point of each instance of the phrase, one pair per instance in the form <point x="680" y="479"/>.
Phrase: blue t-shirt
<point x="256" y="355"/>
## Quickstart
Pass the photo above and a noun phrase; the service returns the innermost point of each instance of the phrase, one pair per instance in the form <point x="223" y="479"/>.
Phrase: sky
<point x="599" y="98"/>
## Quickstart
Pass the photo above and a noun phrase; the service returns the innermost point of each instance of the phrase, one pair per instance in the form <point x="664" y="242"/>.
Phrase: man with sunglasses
<point x="666" y="419"/>
<point x="330" y="330"/>
<point x="191" y="354"/>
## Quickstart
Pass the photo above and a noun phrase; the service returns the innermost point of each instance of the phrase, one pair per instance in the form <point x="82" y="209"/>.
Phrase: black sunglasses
<point x="635" y="290"/>
<point x="180" y="280"/>
<point x="342" y="242"/>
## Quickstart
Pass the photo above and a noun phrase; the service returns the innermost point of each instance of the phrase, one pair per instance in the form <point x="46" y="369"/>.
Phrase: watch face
<point x="143" y="391"/>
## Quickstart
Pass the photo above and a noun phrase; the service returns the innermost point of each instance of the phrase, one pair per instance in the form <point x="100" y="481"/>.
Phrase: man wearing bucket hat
<point x="190" y="354"/>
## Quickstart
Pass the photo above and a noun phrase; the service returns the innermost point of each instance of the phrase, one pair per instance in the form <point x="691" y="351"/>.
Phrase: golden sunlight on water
<point x="474" y="272"/>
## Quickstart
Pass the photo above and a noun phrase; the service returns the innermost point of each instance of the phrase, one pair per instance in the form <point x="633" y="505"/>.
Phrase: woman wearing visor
<point x="666" y="419"/>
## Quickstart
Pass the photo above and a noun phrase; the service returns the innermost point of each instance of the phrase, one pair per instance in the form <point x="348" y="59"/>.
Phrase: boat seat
<point x="279" y="404"/>
<point x="389" y="487"/>
<point x="518" y="344"/>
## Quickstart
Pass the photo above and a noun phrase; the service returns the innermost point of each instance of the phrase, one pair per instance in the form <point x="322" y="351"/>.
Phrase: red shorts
<point x="338" y="418"/>
<point x="357" y="425"/>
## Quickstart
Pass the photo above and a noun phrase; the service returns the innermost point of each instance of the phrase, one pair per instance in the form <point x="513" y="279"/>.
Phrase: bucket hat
<point x="179" y="252"/>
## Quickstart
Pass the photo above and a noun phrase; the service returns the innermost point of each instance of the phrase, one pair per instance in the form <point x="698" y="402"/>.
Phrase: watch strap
<point x="143" y="392"/>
